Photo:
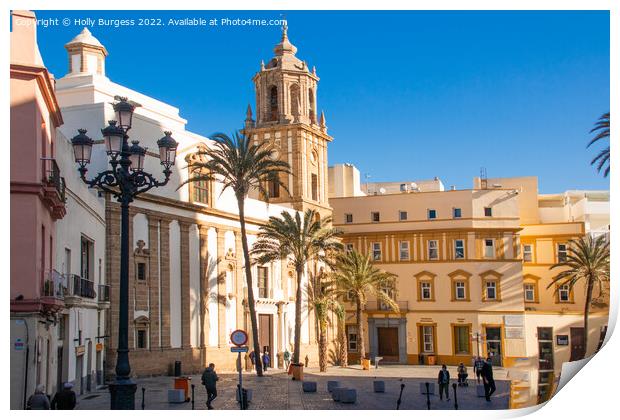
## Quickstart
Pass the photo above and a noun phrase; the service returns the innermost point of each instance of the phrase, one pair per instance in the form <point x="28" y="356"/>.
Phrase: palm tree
<point x="301" y="241"/>
<point x="601" y="128"/>
<point x="243" y="166"/>
<point x="323" y="299"/>
<point x="356" y="275"/>
<point x="587" y="260"/>
<point x="341" y="315"/>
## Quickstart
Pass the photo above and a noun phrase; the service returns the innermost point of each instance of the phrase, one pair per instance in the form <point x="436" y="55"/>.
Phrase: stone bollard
<point x="309" y="386"/>
<point x="331" y="385"/>
<point x="348" y="396"/>
<point x="378" y="386"/>
<point x="336" y="393"/>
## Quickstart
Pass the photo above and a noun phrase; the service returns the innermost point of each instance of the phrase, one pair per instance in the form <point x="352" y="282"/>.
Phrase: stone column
<point x="204" y="285"/>
<point x="185" y="289"/>
<point x="154" y="280"/>
<point x="164" y="265"/>
<point x="280" y="333"/>
<point x="113" y="254"/>
<point x="221" y="288"/>
<point x="132" y="282"/>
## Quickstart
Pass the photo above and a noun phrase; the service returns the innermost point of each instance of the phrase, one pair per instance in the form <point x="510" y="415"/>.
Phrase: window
<point x="459" y="290"/>
<point x="432" y="214"/>
<point x="199" y="189"/>
<point x="374" y="216"/>
<point x="348" y="218"/>
<point x="311" y="106"/>
<point x="527" y="253"/>
<point x="402" y="215"/>
<point x="489" y="248"/>
<point x="529" y="291"/>
<point x="491" y="290"/>
<point x="433" y="251"/>
<point x="456" y="213"/>
<point x="273" y="187"/>
<point x="461" y="340"/>
<point x="352" y="338"/>
<point x="87" y="266"/>
<point x="141" y="339"/>
<point x="350" y="295"/>
<point x="564" y="293"/>
<point x="459" y="249"/>
<point x="376" y="251"/>
<point x="488" y="212"/>
<point x="315" y="187"/>
<point x="428" y="344"/>
<point x="348" y="247"/>
<point x="562" y="252"/>
<point x="426" y="290"/>
<point x="263" y="282"/>
<point x="141" y="271"/>
<point x="403" y="187"/>
<point x="273" y="104"/>
<point x="404" y="250"/>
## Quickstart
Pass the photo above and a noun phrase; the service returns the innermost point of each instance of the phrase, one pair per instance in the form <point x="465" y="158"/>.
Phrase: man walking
<point x="487" y="379"/>
<point x="266" y="360"/>
<point x="443" y="379"/>
<point x="287" y="358"/>
<point x="209" y="380"/>
<point x="253" y="358"/>
<point x="478" y="364"/>
<point x="65" y="398"/>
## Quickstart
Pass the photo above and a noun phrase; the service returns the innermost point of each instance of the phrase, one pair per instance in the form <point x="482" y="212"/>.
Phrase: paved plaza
<point x="276" y="391"/>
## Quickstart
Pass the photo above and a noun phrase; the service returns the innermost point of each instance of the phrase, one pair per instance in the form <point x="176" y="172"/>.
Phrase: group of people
<point x="64" y="399"/>
<point x="265" y="359"/>
<point x="482" y="369"/>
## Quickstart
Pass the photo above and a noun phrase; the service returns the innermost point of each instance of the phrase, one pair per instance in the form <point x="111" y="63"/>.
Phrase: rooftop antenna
<point x="483" y="178"/>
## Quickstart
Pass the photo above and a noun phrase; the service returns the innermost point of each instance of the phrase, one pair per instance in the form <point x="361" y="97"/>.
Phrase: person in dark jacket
<point x="443" y="379"/>
<point x="478" y="364"/>
<point x="266" y="360"/>
<point x="65" y="398"/>
<point x="252" y="358"/>
<point x="38" y="400"/>
<point x="209" y="380"/>
<point x="487" y="379"/>
<point x="462" y="371"/>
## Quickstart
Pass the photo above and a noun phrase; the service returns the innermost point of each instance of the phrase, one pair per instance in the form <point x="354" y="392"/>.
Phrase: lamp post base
<point x="123" y="395"/>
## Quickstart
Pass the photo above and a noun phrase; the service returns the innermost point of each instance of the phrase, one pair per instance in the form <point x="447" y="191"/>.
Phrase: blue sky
<point x="407" y="95"/>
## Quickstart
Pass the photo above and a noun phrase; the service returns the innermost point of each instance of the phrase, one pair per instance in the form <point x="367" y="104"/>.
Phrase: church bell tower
<point x="286" y="117"/>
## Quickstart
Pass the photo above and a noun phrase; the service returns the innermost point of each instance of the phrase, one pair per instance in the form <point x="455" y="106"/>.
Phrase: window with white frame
<point x="527" y="253"/>
<point x="529" y="292"/>
<point x="456" y="212"/>
<point x="489" y="248"/>
<point x="562" y="252"/>
<point x="425" y="290"/>
<point x="433" y="249"/>
<point x="352" y="338"/>
<point x="427" y="339"/>
<point x="375" y="217"/>
<point x="459" y="290"/>
<point x="432" y="214"/>
<point x="376" y="251"/>
<point x="564" y="293"/>
<point x="402" y="215"/>
<point x="404" y="250"/>
<point x="348" y="218"/>
<point x="459" y="249"/>
<point x="491" y="288"/>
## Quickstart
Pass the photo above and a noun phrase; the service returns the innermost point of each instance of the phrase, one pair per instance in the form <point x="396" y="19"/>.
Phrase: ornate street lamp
<point x="125" y="180"/>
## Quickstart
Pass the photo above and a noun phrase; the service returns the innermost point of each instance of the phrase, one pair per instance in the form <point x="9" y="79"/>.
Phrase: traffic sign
<point x="243" y="349"/>
<point x="239" y="337"/>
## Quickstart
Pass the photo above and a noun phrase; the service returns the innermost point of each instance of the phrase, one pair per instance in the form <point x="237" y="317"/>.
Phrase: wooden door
<point x="388" y="343"/>
<point x="265" y="335"/>
<point x="577" y="349"/>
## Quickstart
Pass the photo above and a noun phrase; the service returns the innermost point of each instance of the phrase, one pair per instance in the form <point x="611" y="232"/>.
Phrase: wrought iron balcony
<point x="104" y="293"/>
<point x="53" y="285"/>
<point x="81" y="287"/>
<point x="54" y="186"/>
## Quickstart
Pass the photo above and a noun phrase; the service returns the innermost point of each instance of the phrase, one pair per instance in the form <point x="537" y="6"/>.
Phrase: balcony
<point x="53" y="285"/>
<point x="53" y="188"/>
<point x="104" y="293"/>
<point x="81" y="287"/>
<point x="379" y="306"/>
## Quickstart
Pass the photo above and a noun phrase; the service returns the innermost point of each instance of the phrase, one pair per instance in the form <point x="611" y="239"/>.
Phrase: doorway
<point x="59" y="378"/>
<point x="494" y="344"/>
<point x="89" y="368"/>
<point x="79" y="365"/>
<point x="577" y="349"/>
<point x="388" y="343"/>
<point x="265" y="335"/>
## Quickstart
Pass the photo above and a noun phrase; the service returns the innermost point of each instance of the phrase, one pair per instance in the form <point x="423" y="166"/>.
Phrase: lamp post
<point x="125" y="180"/>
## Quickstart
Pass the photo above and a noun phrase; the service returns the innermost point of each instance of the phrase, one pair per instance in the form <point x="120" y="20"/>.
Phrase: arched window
<point x="311" y="109"/>
<point x="295" y="100"/>
<point x="273" y="103"/>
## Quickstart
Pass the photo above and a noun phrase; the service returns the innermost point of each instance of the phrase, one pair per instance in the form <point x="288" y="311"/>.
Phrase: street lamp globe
<point x="136" y="156"/>
<point x="124" y="112"/>
<point x="113" y="136"/>
<point x="82" y="148"/>
<point x="167" y="149"/>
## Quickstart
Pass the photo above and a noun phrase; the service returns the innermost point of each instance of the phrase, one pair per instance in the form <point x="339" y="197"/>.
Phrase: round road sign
<point x="239" y="337"/>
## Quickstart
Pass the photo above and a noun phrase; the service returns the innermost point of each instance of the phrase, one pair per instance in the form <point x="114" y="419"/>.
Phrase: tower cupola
<point x="86" y="55"/>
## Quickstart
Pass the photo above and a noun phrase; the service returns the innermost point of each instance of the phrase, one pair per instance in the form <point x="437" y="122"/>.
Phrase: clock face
<point x="238" y="337"/>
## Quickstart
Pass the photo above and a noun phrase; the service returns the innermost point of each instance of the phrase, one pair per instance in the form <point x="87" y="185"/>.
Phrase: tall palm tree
<point x="301" y="241"/>
<point x="241" y="165"/>
<point x="322" y="299"/>
<point x="601" y="128"/>
<point x="356" y="275"/>
<point x="341" y="315"/>
<point x="587" y="260"/>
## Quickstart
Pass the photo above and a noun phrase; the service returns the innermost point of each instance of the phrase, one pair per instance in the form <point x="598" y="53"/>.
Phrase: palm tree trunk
<point x="586" y="313"/>
<point x="323" y="344"/>
<point x="343" y="343"/>
<point x="248" y="276"/>
<point x="297" y="344"/>
<point x="360" y="331"/>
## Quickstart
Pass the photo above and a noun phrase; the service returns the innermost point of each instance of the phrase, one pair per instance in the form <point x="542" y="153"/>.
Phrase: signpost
<point x="239" y="338"/>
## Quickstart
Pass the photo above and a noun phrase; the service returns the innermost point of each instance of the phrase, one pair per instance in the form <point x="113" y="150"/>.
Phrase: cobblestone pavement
<point x="276" y="391"/>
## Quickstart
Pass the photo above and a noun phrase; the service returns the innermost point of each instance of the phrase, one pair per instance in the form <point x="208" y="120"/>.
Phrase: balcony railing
<point x="403" y="305"/>
<point x="104" y="293"/>
<point x="51" y="176"/>
<point x="81" y="287"/>
<point x="53" y="285"/>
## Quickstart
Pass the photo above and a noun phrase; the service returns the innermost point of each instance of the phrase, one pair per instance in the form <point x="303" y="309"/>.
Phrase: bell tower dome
<point x="86" y="55"/>
<point x="286" y="116"/>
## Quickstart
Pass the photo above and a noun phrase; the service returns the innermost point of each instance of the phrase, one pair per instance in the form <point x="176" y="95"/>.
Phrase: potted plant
<point x="366" y="362"/>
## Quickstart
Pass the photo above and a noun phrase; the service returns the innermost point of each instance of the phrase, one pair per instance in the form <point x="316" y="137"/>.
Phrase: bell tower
<point x="286" y="117"/>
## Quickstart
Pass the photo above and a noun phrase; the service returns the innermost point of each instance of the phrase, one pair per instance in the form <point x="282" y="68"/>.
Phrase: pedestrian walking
<point x="266" y="360"/>
<point x="478" y="363"/>
<point x="443" y="379"/>
<point x="38" y="400"/>
<point x="65" y="398"/>
<point x="462" y="372"/>
<point x="287" y="358"/>
<point x="209" y="380"/>
<point x="487" y="379"/>
<point x="253" y="358"/>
